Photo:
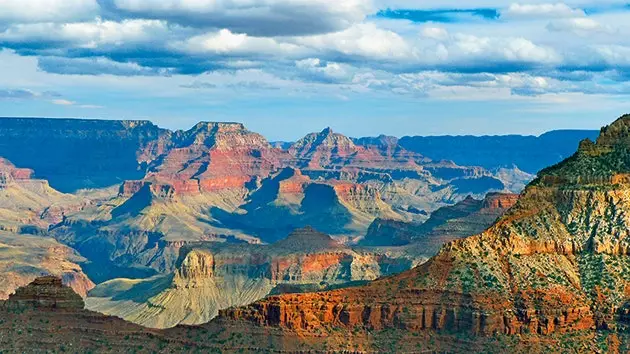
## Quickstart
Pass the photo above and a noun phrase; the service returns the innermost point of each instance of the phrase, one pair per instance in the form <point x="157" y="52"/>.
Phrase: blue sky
<point x="289" y="67"/>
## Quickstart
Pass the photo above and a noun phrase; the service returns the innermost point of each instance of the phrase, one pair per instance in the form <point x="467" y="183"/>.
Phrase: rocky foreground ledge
<point x="45" y="292"/>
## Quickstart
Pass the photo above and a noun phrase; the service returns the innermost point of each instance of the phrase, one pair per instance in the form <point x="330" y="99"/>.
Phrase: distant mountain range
<point x="529" y="153"/>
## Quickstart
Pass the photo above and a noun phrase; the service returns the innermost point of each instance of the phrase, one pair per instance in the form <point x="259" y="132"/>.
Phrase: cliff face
<point x="93" y="153"/>
<point x="215" y="182"/>
<point x="49" y="317"/>
<point x="215" y="156"/>
<point x="27" y="208"/>
<point x="25" y="257"/>
<point x="466" y="218"/>
<point x="211" y="277"/>
<point x="555" y="263"/>
<point x="46" y="292"/>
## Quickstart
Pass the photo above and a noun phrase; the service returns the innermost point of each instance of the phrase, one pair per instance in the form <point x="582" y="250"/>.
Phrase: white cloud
<point x="615" y="55"/>
<point x="437" y="33"/>
<point x="470" y="51"/>
<point x="47" y="10"/>
<point x="96" y="66"/>
<point x="87" y="34"/>
<point x="578" y="25"/>
<point x="315" y="69"/>
<point x="537" y="11"/>
<point x="62" y="102"/>
<point x="258" y="18"/>
<point x="227" y="43"/>
<point x="365" y="40"/>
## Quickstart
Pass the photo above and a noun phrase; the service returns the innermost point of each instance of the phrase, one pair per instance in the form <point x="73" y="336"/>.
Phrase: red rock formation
<point x="46" y="292"/>
<point x="553" y="264"/>
<point x="327" y="149"/>
<point x="216" y="156"/>
<point x="500" y="201"/>
<point x="10" y="173"/>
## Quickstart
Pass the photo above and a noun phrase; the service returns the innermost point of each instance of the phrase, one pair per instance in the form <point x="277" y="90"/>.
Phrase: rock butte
<point x="220" y="182"/>
<point x="533" y="274"/>
<point x="556" y="263"/>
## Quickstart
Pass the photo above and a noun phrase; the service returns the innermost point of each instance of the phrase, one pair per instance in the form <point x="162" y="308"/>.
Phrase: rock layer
<point x="210" y="277"/>
<point x="556" y="263"/>
<point x="46" y="292"/>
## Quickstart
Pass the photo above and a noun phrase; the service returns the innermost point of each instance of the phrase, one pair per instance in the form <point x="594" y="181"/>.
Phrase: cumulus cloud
<point x="363" y="40"/>
<point x="324" y="42"/>
<point x="47" y="10"/>
<point x="257" y="18"/>
<point x="470" y="53"/>
<point x="86" y="34"/>
<point x="437" y="33"/>
<point x="224" y="42"/>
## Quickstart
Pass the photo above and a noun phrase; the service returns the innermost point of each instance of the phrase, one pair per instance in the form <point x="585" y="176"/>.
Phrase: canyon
<point x="318" y="237"/>
<point x="556" y="264"/>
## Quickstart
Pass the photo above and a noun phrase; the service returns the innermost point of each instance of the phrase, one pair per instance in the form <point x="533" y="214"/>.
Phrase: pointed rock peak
<point x="326" y="140"/>
<point x="6" y="163"/>
<point x="327" y="131"/>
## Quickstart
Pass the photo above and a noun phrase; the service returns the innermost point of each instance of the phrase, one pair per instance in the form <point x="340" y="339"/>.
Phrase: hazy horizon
<point x="301" y="135"/>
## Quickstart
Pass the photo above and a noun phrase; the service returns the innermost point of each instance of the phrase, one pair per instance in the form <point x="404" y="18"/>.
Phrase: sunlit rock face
<point x="556" y="263"/>
<point x="210" y="277"/>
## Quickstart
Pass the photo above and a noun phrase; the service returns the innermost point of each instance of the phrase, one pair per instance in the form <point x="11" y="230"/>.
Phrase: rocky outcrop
<point x="555" y="263"/>
<point x="210" y="277"/>
<point x="215" y="156"/>
<point x="54" y="329"/>
<point x="466" y="218"/>
<point x="26" y="257"/>
<point x="9" y="173"/>
<point x="46" y="292"/>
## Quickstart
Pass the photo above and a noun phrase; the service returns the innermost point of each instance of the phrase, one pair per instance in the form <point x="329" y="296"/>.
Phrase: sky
<point x="289" y="67"/>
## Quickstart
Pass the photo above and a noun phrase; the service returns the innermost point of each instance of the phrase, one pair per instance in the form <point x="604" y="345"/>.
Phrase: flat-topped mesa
<point x="46" y="292"/>
<point x="307" y="239"/>
<point x="389" y="148"/>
